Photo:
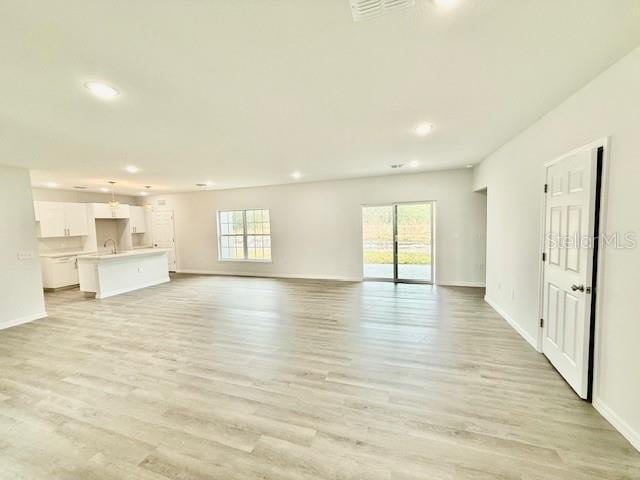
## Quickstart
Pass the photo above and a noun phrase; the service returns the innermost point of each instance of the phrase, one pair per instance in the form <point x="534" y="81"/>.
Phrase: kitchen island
<point x="109" y="274"/>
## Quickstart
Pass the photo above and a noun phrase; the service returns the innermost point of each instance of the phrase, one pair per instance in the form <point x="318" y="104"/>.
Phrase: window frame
<point x="244" y="236"/>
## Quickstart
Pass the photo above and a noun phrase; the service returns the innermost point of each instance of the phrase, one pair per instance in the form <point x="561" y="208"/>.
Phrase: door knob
<point x="576" y="288"/>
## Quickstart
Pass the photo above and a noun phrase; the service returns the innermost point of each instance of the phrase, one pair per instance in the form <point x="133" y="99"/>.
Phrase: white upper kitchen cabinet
<point x="103" y="210"/>
<point x="123" y="211"/>
<point x="61" y="219"/>
<point x="137" y="219"/>
<point x="52" y="219"/>
<point x="76" y="217"/>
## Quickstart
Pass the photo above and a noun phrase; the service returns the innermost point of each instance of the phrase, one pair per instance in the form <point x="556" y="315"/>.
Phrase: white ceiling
<point x="245" y="92"/>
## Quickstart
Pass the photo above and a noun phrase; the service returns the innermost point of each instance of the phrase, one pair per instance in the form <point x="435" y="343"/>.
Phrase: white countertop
<point x="65" y="254"/>
<point x="128" y="253"/>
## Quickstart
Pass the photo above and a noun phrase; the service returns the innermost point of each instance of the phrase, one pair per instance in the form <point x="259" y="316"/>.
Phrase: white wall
<point x="21" y="297"/>
<point x="317" y="227"/>
<point x="514" y="175"/>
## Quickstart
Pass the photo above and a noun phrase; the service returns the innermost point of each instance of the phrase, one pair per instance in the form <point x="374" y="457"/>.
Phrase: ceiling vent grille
<point x="366" y="9"/>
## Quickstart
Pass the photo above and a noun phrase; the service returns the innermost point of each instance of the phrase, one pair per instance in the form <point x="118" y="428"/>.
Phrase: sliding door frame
<point x="394" y="222"/>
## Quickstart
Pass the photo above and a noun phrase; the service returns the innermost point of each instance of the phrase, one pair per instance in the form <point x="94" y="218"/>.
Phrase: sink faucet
<point x="114" y="250"/>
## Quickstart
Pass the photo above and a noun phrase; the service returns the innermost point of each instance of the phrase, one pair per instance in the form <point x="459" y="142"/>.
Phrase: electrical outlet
<point x="25" y="255"/>
<point x="140" y="270"/>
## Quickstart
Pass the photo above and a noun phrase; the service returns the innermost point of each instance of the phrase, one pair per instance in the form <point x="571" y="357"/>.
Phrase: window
<point x="244" y="235"/>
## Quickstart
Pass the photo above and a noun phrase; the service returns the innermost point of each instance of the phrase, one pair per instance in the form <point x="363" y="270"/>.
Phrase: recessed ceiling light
<point x="144" y="194"/>
<point x="469" y="166"/>
<point x="102" y="90"/>
<point x="423" y="129"/>
<point x="52" y="184"/>
<point x="132" y="169"/>
<point x="414" y="163"/>
<point x="209" y="183"/>
<point x="104" y="189"/>
<point x="297" y="175"/>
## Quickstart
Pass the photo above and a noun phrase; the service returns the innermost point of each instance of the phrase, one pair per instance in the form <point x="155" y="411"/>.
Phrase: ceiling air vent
<point x="366" y="9"/>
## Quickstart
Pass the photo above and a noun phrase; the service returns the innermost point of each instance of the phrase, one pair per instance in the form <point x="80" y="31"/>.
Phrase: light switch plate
<point x="25" y="255"/>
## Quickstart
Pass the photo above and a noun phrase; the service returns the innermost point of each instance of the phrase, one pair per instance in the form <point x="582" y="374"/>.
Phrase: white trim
<point x="617" y="422"/>
<point x="112" y="293"/>
<point x="270" y="275"/>
<point x="22" y="320"/>
<point x="516" y="326"/>
<point x="460" y="283"/>
<point x="601" y="142"/>
<point x="541" y="265"/>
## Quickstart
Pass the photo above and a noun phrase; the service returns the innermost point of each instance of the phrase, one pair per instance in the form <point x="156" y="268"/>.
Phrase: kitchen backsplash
<point x="62" y="244"/>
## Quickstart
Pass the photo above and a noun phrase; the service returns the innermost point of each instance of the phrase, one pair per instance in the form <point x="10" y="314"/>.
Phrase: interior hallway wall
<point x="515" y="175"/>
<point x="21" y="295"/>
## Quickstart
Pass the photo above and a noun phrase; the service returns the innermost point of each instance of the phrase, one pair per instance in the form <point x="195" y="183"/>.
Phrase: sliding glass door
<point x="378" y="234"/>
<point x="414" y="241"/>
<point x="398" y="242"/>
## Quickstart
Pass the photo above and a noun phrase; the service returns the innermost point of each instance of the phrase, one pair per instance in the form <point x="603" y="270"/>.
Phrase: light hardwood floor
<point x="245" y="378"/>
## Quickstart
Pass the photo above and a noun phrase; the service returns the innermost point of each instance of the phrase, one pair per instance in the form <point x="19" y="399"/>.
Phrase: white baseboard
<point x="313" y="277"/>
<point x="531" y="340"/>
<point x="269" y="275"/>
<point x="19" y="321"/>
<point x="460" y="283"/>
<point x="613" y="418"/>
<point x="616" y="421"/>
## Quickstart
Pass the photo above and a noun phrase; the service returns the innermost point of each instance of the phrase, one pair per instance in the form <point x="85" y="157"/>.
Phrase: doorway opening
<point x="398" y="242"/>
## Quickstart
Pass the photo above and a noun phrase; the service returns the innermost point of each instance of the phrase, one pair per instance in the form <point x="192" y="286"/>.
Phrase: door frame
<point x="600" y="187"/>
<point x="394" y="222"/>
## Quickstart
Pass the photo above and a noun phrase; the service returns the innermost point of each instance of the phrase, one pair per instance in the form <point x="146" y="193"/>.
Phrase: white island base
<point x="107" y="275"/>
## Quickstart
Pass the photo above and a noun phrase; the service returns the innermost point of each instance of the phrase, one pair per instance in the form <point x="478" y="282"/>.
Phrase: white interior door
<point x="164" y="235"/>
<point x="569" y="226"/>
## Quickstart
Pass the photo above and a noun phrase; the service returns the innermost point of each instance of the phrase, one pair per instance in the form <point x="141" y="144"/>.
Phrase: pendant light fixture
<point x="113" y="204"/>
